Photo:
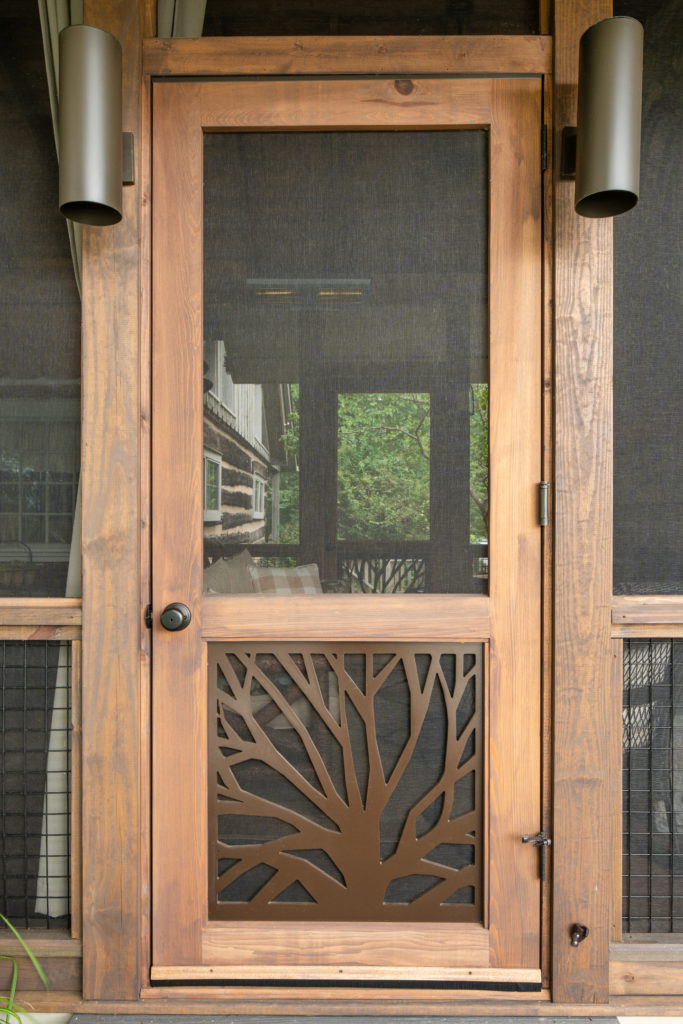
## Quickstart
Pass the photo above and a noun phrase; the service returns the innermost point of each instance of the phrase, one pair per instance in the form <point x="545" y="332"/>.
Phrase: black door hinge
<point x="148" y="616"/>
<point x="542" y="840"/>
<point x="544" y="148"/>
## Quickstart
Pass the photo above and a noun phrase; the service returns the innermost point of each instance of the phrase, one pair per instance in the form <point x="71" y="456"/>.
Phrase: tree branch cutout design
<point x="346" y="783"/>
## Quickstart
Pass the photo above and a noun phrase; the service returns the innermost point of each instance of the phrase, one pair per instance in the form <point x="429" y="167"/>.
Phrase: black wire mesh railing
<point x="652" y="885"/>
<point x="35" y="720"/>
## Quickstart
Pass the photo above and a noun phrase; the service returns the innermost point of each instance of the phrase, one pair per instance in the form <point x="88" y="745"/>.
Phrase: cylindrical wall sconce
<point x="608" y="120"/>
<point x="90" y="125"/>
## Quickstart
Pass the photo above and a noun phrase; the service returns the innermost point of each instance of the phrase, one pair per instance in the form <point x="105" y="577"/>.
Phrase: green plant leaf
<point x="10" y="1006"/>
<point x="38" y="969"/>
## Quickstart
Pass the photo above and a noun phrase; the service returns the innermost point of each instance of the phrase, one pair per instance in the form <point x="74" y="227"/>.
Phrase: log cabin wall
<point x="583" y="680"/>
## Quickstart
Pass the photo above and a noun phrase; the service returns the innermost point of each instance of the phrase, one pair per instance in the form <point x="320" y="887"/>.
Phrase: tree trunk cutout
<point x="346" y="782"/>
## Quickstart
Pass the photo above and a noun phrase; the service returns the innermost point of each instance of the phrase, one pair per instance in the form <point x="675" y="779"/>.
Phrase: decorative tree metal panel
<point x="346" y="781"/>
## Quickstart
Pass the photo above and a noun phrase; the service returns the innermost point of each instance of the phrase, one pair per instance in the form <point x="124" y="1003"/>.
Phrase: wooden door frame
<point x="116" y="497"/>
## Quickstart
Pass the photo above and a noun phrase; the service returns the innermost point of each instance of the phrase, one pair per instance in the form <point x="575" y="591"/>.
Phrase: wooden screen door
<point x="346" y="458"/>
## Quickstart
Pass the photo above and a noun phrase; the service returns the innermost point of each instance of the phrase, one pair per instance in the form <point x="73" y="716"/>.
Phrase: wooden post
<point x="111" y="564"/>
<point x="583" y="557"/>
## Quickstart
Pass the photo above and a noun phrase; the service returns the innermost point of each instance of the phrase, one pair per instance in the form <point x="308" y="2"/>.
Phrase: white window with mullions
<point x="212" y="486"/>
<point x="221" y="383"/>
<point x="259" y="503"/>
<point x="39" y="469"/>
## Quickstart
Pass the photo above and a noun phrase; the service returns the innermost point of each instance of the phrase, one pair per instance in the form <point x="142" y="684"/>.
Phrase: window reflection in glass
<point x="346" y="359"/>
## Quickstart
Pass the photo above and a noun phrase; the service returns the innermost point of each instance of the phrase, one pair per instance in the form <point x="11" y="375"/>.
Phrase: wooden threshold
<point x="355" y="1002"/>
<point x="340" y="55"/>
<point x="307" y="972"/>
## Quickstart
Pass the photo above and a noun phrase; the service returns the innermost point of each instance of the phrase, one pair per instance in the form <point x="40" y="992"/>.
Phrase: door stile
<point x="179" y="717"/>
<point x="514" y="572"/>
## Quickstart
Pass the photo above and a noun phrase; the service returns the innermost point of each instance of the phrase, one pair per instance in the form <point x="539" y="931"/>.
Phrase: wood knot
<point x="404" y="86"/>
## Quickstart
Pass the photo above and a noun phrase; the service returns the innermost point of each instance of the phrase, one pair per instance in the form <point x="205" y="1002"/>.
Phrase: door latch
<point x="542" y="841"/>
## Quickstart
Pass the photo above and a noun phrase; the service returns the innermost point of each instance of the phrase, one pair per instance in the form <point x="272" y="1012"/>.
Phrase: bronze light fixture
<point x="90" y="140"/>
<point x="609" y="113"/>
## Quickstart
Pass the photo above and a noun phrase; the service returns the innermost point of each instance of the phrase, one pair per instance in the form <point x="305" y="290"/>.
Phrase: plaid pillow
<point x="299" y="579"/>
<point x="229" y="575"/>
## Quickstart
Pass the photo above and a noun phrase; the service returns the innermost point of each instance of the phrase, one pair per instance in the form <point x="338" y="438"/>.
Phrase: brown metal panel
<point x="346" y="780"/>
<point x="583" y="559"/>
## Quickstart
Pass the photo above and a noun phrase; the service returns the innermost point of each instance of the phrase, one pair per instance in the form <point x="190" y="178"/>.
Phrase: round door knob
<point x="176" y="616"/>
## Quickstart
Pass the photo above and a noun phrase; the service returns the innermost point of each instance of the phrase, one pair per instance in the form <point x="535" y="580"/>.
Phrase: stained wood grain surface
<point x="63" y="974"/>
<point x="642" y="631"/>
<point x="261" y="1004"/>
<point x="660" y="948"/>
<point x="651" y="976"/>
<point x="345" y="946"/>
<point x="179" y="724"/>
<point x="325" y="55"/>
<point x="515" y="541"/>
<point x="111" y="595"/>
<point x="27" y="633"/>
<point x="348" y="104"/>
<point x="548" y="474"/>
<point x="439" y="975"/>
<point x="583" y="558"/>
<point x="59" y="611"/>
<point x="646" y="610"/>
<point x="341" y="616"/>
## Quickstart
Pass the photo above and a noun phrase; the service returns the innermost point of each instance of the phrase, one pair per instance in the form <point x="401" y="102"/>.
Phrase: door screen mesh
<point x="35" y="790"/>
<point x="346" y="360"/>
<point x="653" y="786"/>
<point x="648" y="327"/>
<point x="358" y="17"/>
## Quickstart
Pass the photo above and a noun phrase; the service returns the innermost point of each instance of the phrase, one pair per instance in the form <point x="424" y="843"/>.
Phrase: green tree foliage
<point x="383" y="467"/>
<point x="479" y="463"/>
<point x="289" y="481"/>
